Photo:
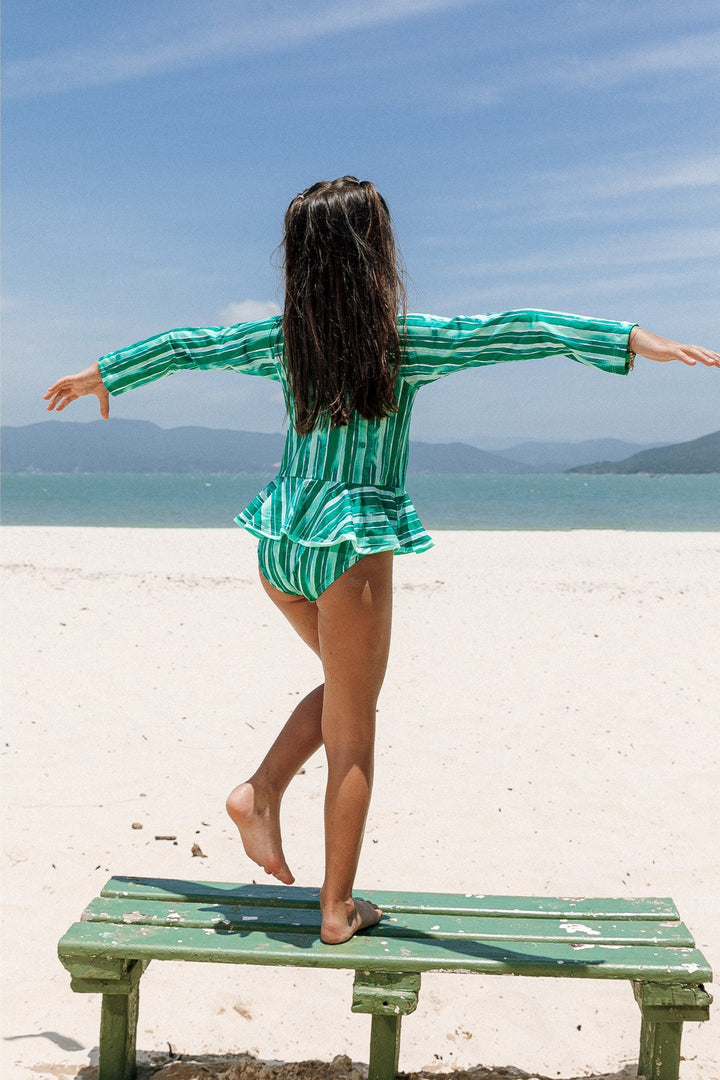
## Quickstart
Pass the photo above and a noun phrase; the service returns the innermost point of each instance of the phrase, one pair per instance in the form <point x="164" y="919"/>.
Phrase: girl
<point x="330" y="523"/>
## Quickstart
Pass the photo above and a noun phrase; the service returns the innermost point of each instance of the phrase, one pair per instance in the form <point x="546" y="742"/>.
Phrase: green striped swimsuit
<point x="340" y="492"/>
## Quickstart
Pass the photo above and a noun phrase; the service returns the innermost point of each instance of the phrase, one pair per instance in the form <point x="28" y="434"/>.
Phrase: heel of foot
<point x="240" y="803"/>
<point x="259" y="825"/>
<point x="339" y="923"/>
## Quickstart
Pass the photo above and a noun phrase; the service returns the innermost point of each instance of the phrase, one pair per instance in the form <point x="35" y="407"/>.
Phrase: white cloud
<point x="632" y="187"/>
<point x="693" y="54"/>
<point x="248" y="311"/>
<point x="690" y="53"/>
<point x="252" y="29"/>
<point x="658" y="246"/>
<point x="638" y="174"/>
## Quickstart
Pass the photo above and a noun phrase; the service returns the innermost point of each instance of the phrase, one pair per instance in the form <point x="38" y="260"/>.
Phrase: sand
<point x="548" y="726"/>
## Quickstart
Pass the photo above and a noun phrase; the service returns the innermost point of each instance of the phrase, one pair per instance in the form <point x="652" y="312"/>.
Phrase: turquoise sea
<point x="645" y="503"/>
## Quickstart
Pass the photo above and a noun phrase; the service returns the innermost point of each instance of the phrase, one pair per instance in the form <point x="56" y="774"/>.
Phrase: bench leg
<point x="388" y="996"/>
<point x="660" y="1049"/>
<point x="118" y="1035"/>
<point x="664" y="1009"/>
<point x="384" y="1047"/>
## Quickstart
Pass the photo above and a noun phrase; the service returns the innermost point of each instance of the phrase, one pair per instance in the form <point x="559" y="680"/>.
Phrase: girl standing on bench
<point x="331" y="522"/>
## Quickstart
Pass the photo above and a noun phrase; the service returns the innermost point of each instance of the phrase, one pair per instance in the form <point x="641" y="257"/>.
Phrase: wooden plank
<point x="674" y="997"/>
<point x="240" y="917"/>
<point x="179" y="890"/>
<point x="103" y="968"/>
<point x="384" y="993"/>
<point x="672" y="1003"/>
<point x="378" y="952"/>
<point x="90" y="983"/>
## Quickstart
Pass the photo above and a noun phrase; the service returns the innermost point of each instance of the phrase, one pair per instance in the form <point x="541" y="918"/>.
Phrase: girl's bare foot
<point x="343" y="919"/>
<point x="258" y="820"/>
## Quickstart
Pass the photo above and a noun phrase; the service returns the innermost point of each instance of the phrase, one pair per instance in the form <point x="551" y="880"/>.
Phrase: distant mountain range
<point x="558" y="456"/>
<point x="135" y="446"/>
<point x="138" y="446"/>
<point x="697" y="456"/>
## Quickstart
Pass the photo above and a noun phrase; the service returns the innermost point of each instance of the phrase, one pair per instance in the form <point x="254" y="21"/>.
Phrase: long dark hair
<point x="343" y="292"/>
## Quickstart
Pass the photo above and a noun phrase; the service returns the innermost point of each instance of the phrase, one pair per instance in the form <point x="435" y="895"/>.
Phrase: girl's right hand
<point x="70" y="388"/>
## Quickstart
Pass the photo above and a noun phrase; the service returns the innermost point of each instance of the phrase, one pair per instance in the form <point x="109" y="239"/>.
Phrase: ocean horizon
<point x="673" y="503"/>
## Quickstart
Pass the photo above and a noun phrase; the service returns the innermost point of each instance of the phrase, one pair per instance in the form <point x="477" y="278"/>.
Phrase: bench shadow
<point x="284" y="895"/>
<point x="457" y="947"/>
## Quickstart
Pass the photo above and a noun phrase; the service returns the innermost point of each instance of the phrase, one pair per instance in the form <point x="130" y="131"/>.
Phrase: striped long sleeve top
<point x="348" y="483"/>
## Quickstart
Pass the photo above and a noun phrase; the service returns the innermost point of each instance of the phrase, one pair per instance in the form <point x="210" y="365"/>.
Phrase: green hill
<point x="697" y="456"/>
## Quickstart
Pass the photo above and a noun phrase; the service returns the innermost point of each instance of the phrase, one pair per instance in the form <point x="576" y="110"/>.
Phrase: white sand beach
<point x="548" y="726"/>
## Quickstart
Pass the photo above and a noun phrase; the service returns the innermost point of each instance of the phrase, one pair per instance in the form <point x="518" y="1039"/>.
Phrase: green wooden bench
<point x="135" y="920"/>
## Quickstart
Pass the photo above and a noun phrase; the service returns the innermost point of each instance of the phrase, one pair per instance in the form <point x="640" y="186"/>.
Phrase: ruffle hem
<point x="319" y="513"/>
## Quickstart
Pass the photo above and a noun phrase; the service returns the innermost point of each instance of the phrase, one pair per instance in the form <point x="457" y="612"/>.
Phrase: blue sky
<point x="547" y="154"/>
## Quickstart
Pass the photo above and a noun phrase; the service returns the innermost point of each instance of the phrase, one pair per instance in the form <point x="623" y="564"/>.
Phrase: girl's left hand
<point x="662" y="349"/>
<point x="63" y="392"/>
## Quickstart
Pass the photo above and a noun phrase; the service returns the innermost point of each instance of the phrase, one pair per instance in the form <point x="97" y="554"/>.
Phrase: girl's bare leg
<point x="255" y="805"/>
<point x="354" y="619"/>
<point x="349" y="627"/>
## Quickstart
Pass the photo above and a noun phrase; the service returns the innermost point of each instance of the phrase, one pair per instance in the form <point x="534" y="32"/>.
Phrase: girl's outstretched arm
<point x="71" y="387"/>
<point x="662" y="349"/>
<point x="437" y="347"/>
<point x="250" y="348"/>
